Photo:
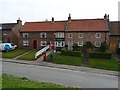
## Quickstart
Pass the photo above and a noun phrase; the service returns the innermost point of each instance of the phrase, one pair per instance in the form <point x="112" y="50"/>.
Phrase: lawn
<point x="69" y="60"/>
<point x="30" y="56"/>
<point x="10" y="81"/>
<point x="12" y="54"/>
<point x="108" y="64"/>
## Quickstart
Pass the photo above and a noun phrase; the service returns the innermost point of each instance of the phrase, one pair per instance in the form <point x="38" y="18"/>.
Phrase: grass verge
<point x="69" y="60"/>
<point x="107" y="64"/>
<point x="10" y="81"/>
<point x="29" y="57"/>
<point x="12" y="54"/>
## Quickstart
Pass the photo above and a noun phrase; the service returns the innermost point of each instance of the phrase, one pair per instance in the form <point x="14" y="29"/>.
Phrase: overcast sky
<point x="39" y="10"/>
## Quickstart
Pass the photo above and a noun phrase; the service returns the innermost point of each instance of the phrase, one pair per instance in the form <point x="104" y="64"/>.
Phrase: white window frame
<point x="41" y="35"/>
<point x="96" y="44"/>
<point x="4" y="32"/>
<point x="59" y="43"/>
<point x="96" y="35"/>
<point x="80" y="43"/>
<point x="41" y="43"/>
<point x="25" y="34"/>
<point x="26" y="43"/>
<point x="80" y="35"/>
<point x="70" y="35"/>
<point x="59" y="35"/>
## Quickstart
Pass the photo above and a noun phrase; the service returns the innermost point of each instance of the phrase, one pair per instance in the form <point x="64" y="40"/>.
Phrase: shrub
<point x="118" y="50"/>
<point x="103" y="47"/>
<point x="87" y="45"/>
<point x="101" y="55"/>
<point x="70" y="53"/>
<point x="76" y="47"/>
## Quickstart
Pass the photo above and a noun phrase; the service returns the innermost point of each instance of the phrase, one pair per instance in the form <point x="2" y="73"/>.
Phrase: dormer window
<point x="43" y="35"/>
<point x="25" y="35"/>
<point x="98" y="35"/>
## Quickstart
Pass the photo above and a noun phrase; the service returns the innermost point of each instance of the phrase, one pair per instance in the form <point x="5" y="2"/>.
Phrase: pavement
<point x="40" y="62"/>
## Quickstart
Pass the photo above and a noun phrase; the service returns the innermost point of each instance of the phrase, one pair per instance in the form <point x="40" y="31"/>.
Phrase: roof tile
<point x="74" y="25"/>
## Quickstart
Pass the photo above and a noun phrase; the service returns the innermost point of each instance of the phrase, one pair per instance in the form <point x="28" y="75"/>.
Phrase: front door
<point x="35" y="44"/>
<point x="112" y="47"/>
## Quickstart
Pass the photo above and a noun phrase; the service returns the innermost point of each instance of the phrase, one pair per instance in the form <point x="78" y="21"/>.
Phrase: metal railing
<point x="40" y="52"/>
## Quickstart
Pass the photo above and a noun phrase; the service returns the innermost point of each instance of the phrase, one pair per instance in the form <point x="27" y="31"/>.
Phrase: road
<point x="61" y="76"/>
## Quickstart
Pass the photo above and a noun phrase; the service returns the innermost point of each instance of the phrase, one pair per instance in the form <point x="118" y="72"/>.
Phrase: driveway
<point x="61" y="76"/>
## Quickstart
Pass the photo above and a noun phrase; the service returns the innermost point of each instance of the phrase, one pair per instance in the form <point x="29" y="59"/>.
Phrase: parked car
<point x="7" y="46"/>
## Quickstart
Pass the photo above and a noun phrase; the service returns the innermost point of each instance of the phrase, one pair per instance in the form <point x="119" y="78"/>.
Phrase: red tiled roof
<point x="44" y="26"/>
<point x="74" y="25"/>
<point x="87" y="25"/>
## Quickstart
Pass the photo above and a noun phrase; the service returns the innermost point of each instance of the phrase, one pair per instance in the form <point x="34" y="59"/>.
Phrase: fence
<point x="40" y="52"/>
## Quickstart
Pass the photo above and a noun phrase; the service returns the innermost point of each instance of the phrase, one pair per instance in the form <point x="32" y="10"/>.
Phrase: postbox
<point x="44" y="56"/>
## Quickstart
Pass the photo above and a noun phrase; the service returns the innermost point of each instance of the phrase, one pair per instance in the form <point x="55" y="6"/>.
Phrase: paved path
<point x="23" y="54"/>
<point x="61" y="76"/>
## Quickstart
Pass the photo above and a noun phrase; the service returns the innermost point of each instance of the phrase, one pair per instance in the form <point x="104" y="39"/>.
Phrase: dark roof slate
<point x="8" y="26"/>
<point x="115" y="28"/>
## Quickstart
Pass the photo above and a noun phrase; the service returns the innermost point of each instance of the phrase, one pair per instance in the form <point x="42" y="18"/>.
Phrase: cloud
<point x="37" y="10"/>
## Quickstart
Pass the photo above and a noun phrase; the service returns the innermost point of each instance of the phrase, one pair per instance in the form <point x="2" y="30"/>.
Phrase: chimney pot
<point x="19" y="21"/>
<point x="52" y="19"/>
<point x="105" y="17"/>
<point x="69" y="18"/>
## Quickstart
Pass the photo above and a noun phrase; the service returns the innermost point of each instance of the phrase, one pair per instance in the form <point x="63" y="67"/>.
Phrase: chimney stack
<point x="105" y="16"/>
<point x="19" y="21"/>
<point x="69" y="18"/>
<point x="52" y="19"/>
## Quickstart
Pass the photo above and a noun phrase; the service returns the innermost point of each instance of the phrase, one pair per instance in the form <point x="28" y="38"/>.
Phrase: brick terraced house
<point x="67" y="32"/>
<point x="10" y="32"/>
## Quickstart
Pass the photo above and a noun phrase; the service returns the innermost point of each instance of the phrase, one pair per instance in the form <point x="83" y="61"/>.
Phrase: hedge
<point x="118" y="51"/>
<point x="101" y="55"/>
<point x="70" y="53"/>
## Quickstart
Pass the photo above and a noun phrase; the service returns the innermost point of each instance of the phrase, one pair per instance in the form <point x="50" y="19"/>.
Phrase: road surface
<point x="61" y="76"/>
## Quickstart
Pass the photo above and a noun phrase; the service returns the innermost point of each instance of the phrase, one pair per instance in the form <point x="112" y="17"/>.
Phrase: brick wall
<point x="36" y="36"/>
<point x="87" y="36"/>
<point x="8" y="35"/>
